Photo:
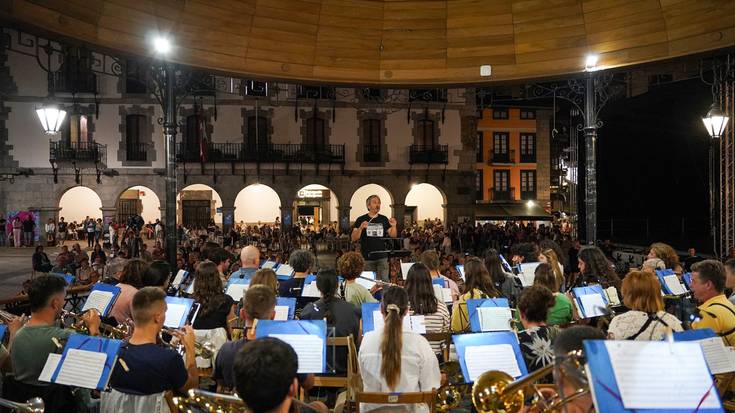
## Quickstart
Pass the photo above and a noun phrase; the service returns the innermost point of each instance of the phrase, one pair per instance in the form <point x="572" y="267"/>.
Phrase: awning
<point x="515" y="211"/>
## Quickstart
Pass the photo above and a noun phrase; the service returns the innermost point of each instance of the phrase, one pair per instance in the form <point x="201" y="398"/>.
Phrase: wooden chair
<point x="445" y="338"/>
<point x="347" y="381"/>
<point x="169" y="396"/>
<point x="426" y="397"/>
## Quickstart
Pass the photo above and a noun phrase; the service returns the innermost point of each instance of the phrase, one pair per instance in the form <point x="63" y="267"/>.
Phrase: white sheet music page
<point x="528" y="273"/>
<point x="494" y="318"/>
<point x="717" y="355"/>
<point x="284" y="269"/>
<point x="174" y="314"/>
<point x="612" y="295"/>
<point x="405" y="266"/>
<point x="379" y="322"/>
<point x="50" y="367"/>
<point x="672" y="281"/>
<point x="661" y="375"/>
<point x="480" y="359"/>
<point x="269" y="264"/>
<point x="418" y="323"/>
<point x="281" y="312"/>
<point x="593" y="305"/>
<point x="308" y="348"/>
<point x="179" y="278"/>
<point x="82" y="368"/>
<point x="365" y="283"/>
<point x="99" y="300"/>
<point x="237" y="290"/>
<point x="310" y="290"/>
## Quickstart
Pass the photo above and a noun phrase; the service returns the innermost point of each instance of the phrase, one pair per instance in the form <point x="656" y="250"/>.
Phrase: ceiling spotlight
<point x="590" y="63"/>
<point x="161" y="45"/>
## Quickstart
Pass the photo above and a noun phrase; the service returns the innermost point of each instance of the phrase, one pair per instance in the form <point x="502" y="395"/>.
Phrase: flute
<point x="379" y="282"/>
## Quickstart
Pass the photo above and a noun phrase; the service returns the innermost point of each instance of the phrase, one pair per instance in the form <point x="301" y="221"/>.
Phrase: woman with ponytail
<point x="394" y="360"/>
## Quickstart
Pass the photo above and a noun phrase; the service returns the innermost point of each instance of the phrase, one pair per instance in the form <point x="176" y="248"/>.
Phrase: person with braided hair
<point x="394" y="360"/>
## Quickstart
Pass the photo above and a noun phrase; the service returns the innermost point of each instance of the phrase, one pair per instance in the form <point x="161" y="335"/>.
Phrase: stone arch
<point x="149" y="203"/>
<point x="214" y="198"/>
<point x="428" y="199"/>
<point x="266" y="208"/>
<point x="357" y="201"/>
<point x="79" y="201"/>
<point x="327" y="215"/>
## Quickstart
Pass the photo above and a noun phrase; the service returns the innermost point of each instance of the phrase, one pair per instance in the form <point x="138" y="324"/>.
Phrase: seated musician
<point x="216" y="306"/>
<point x="478" y="284"/>
<point x="716" y="311"/>
<point x="536" y="338"/>
<point x="157" y="274"/>
<point x="302" y="262"/>
<point x="393" y="360"/>
<point x="561" y="312"/>
<point x="249" y="262"/>
<point x="131" y="281"/>
<point x="423" y="302"/>
<point x="431" y="260"/>
<point x="221" y="258"/>
<point x="267" y="277"/>
<point x="646" y="319"/>
<point x="730" y="278"/>
<point x="144" y="367"/>
<point x="350" y="266"/>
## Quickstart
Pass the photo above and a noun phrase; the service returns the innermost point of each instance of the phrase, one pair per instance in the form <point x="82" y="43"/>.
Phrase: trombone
<point x="34" y="405"/>
<point x="121" y="332"/>
<point x="204" y="350"/>
<point x="205" y="401"/>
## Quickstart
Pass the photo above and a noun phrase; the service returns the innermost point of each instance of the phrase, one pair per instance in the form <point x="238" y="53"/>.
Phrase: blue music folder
<point x="687" y="277"/>
<point x="97" y="297"/>
<point x="284" y="272"/>
<point x="606" y="392"/>
<point x="3" y="330"/>
<point x="289" y="302"/>
<point x="483" y="302"/>
<point x="463" y="341"/>
<point x="460" y="270"/>
<point x="67" y="277"/>
<point x="289" y="331"/>
<point x="694" y="335"/>
<point x="87" y="343"/>
<point x="578" y="292"/>
<point x="368" y="324"/>
<point x="660" y="274"/>
<point x="178" y="311"/>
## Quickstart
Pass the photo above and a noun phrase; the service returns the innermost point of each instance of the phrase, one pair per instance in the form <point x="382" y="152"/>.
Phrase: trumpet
<point x="204" y="401"/>
<point x="34" y="405"/>
<point x="204" y="350"/>
<point x="121" y="332"/>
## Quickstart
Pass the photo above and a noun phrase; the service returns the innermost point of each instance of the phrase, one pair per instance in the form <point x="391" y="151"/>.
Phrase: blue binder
<point x="483" y="302"/>
<point x="460" y="270"/>
<point x="505" y="263"/>
<point x="462" y="341"/>
<point x="284" y="272"/>
<point x="694" y="335"/>
<point x="187" y="302"/>
<point x="439" y="281"/>
<point x="3" y="330"/>
<point x="289" y="302"/>
<point x="236" y="281"/>
<point x="97" y="344"/>
<point x="660" y="274"/>
<point x="590" y="289"/>
<point x="269" y="264"/>
<point x="67" y="277"/>
<point x="367" y="316"/>
<point x="687" y="277"/>
<point x="605" y="388"/>
<point x="115" y="290"/>
<point x="317" y="328"/>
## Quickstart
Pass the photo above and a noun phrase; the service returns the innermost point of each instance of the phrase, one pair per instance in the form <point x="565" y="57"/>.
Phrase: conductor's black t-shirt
<point x="371" y="237"/>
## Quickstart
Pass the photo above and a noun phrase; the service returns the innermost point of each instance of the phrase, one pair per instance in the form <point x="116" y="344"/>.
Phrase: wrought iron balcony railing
<point x="275" y="152"/>
<point x="507" y="194"/>
<point x="429" y="154"/>
<point x="78" y="152"/>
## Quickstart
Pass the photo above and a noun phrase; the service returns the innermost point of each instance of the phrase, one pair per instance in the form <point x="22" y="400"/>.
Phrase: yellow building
<point x="513" y="164"/>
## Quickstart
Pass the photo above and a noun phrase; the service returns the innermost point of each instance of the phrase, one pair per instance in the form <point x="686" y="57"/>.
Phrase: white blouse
<point x="419" y="369"/>
<point x="628" y="324"/>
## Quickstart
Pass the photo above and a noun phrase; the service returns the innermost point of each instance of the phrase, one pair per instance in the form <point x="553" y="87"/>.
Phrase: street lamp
<point x="51" y="117"/>
<point x="590" y="62"/>
<point x="715" y="122"/>
<point x="162" y="45"/>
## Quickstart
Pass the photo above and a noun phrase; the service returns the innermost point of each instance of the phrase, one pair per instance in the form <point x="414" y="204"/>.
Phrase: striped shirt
<point x="437" y="322"/>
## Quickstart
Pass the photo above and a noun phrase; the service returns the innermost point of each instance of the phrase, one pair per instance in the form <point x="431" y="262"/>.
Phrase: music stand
<point x="391" y="248"/>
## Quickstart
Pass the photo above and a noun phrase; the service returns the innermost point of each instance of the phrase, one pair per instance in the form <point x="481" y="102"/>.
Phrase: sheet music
<point x="99" y="300"/>
<point x="179" y="278"/>
<point x="718" y="356"/>
<point x="460" y="270"/>
<point x="365" y="283"/>
<point x="480" y="359"/>
<point x="528" y="273"/>
<point x="269" y="264"/>
<point x="612" y="295"/>
<point x="82" y="368"/>
<point x="494" y="318"/>
<point x="237" y="290"/>
<point x="310" y="290"/>
<point x="174" y="314"/>
<point x="593" y="305"/>
<point x="405" y="266"/>
<point x="368" y="274"/>
<point x="50" y="367"/>
<point x="661" y="375"/>
<point x="418" y="323"/>
<point x="281" y="312"/>
<point x="672" y="282"/>
<point x="308" y="348"/>
<point x="190" y="288"/>
<point x="379" y="322"/>
<point x="285" y="269"/>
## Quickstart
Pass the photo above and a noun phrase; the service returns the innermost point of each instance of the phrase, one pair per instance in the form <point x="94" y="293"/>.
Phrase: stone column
<point x="287" y="218"/>
<point x="228" y="218"/>
<point x="108" y="214"/>
<point x="344" y="219"/>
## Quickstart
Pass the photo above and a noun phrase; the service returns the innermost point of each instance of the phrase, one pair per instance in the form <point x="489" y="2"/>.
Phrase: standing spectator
<point x="28" y="227"/>
<point x="90" y="226"/>
<point x="3" y="234"/>
<point x="50" y="228"/>
<point x="98" y="226"/>
<point x="61" y="228"/>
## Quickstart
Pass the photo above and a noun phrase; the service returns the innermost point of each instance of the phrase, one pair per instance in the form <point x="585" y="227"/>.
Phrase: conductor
<point x="370" y="229"/>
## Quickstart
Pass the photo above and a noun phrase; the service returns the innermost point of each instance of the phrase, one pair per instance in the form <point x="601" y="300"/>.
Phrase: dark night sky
<point x="653" y="162"/>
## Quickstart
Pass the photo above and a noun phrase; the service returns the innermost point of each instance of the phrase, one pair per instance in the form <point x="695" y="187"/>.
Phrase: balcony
<point x="79" y="153"/>
<point x="508" y="157"/>
<point x="507" y="194"/>
<point x="136" y="152"/>
<point x="72" y="81"/>
<point x="528" y="195"/>
<point x="428" y="154"/>
<point x="528" y="157"/>
<point x="278" y="152"/>
<point x="371" y="153"/>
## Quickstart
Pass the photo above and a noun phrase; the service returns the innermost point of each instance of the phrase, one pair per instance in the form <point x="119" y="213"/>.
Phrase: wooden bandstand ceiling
<point x="392" y="42"/>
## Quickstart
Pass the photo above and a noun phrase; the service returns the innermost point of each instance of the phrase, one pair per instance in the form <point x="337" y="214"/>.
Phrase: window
<point x="528" y="185"/>
<point x="480" y="146"/>
<point x="75" y="129"/>
<point x="479" y="187"/>
<point x="528" y="147"/>
<point x="425" y="137"/>
<point x="528" y="114"/>
<point x="500" y="147"/>
<point x="257" y="133"/>
<point x="501" y="180"/>
<point x="500" y="113"/>
<point x="135" y="77"/>
<point x="194" y="133"/>
<point x="135" y="130"/>
<point x="75" y="74"/>
<point x="371" y="140"/>
<point x="315" y="131"/>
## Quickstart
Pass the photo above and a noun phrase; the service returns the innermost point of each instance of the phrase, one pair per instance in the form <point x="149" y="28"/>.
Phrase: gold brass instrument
<point x="496" y="391"/>
<point x="205" y="401"/>
<point x="204" y="350"/>
<point x="6" y="317"/>
<point x="121" y="332"/>
<point x="34" y="405"/>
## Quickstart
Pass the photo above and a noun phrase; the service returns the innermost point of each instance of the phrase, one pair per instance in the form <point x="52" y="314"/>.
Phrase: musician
<point x="478" y="284"/>
<point x="221" y="258"/>
<point x="537" y="336"/>
<point x="548" y="256"/>
<point x="267" y="277"/>
<point x="249" y="262"/>
<point x="302" y="262"/>
<point x="524" y="252"/>
<point x="34" y="342"/>
<point x="394" y="360"/>
<point x="147" y="368"/>
<point x="730" y="278"/>
<point x="422" y="301"/>
<point x="370" y="229"/>
<point x="157" y="274"/>
<point x="503" y="281"/>
<point x="666" y="253"/>
<point x="131" y="281"/>
<point x="216" y="306"/>
<point x="561" y="312"/>
<point x="646" y="319"/>
<point x="716" y="311"/>
<point x="350" y="266"/>
<point x="431" y="260"/>
<point x="594" y="268"/>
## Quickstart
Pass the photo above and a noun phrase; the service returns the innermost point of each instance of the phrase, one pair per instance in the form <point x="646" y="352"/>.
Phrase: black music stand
<point x="391" y="248"/>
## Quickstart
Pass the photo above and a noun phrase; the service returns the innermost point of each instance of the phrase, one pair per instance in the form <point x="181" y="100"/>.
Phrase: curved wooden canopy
<point x="393" y="42"/>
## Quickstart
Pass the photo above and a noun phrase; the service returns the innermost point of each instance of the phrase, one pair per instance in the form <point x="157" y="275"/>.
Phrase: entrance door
<point x="126" y="208"/>
<point x="196" y="213"/>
